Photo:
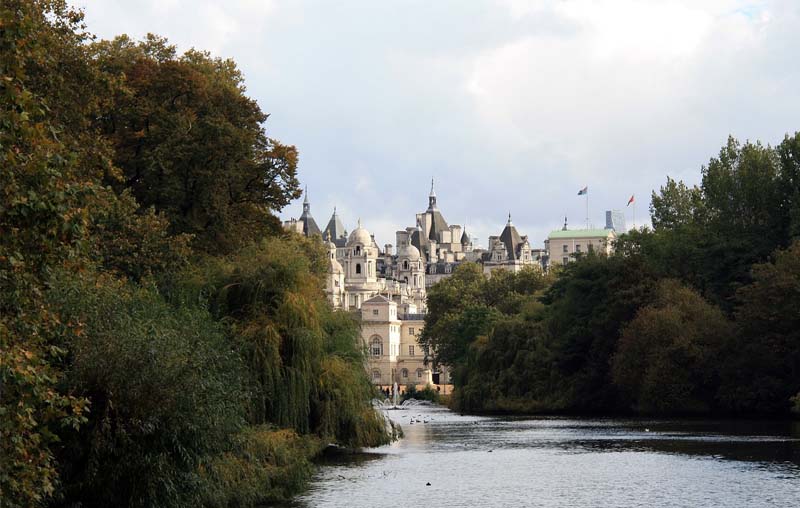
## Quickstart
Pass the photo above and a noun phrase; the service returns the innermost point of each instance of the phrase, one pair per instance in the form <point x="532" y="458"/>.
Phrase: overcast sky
<point x="512" y="106"/>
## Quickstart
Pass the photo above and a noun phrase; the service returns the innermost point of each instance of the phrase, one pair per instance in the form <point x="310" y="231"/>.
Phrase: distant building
<point x="389" y="288"/>
<point x="565" y="244"/>
<point x="615" y="219"/>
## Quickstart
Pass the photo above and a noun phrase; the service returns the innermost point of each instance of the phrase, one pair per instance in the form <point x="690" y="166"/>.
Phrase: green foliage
<point x="689" y="317"/>
<point x="428" y="393"/>
<point x="668" y="357"/>
<point x="265" y="466"/>
<point x="763" y="365"/>
<point x="190" y="144"/>
<point x="467" y="304"/>
<point x="165" y="391"/>
<point x="305" y="368"/>
<point x="42" y="226"/>
<point x="125" y="165"/>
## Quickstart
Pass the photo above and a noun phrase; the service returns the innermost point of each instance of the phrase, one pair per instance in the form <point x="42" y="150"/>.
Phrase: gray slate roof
<point x="510" y="237"/>
<point x="438" y="224"/>
<point x="335" y="229"/>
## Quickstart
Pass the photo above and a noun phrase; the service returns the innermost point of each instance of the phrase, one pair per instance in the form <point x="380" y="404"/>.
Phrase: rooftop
<point x="581" y="233"/>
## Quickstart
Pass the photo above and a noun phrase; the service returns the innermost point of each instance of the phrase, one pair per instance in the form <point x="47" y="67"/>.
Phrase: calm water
<point x="505" y="462"/>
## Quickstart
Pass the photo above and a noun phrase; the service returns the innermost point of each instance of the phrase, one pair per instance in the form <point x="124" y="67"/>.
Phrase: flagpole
<point x="587" y="208"/>
<point x="634" y="214"/>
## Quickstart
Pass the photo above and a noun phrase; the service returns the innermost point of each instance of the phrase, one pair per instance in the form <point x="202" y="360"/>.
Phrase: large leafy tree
<point x="192" y="145"/>
<point x="668" y="357"/>
<point x="763" y="362"/>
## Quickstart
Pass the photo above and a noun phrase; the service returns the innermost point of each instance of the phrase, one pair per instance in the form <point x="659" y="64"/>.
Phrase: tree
<point x="191" y="144"/>
<point x="675" y="206"/>
<point x="42" y="226"/>
<point x="667" y="359"/>
<point x="763" y="360"/>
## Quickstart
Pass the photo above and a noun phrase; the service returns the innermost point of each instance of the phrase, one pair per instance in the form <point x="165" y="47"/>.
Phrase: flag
<point x="630" y="201"/>
<point x="583" y="191"/>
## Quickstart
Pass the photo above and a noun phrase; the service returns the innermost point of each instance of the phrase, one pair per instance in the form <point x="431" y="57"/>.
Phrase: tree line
<point x="697" y="315"/>
<point x="162" y="341"/>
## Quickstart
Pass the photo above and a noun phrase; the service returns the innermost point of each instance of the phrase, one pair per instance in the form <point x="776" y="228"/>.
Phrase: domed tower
<point x="361" y="279"/>
<point x="334" y="283"/>
<point x="411" y="272"/>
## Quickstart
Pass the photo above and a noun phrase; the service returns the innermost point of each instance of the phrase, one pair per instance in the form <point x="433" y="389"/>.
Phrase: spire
<point x="565" y="224"/>
<point x="432" y="198"/>
<point x="509" y="219"/>
<point x="359" y="222"/>
<point x="306" y="204"/>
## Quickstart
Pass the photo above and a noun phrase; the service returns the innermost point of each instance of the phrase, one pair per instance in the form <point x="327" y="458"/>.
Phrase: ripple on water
<point x="480" y="461"/>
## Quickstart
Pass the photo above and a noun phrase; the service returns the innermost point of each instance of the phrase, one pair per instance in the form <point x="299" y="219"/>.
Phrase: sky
<point x="510" y="106"/>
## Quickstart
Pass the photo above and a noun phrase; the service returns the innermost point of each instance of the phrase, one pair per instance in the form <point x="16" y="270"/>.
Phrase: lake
<point x="576" y="462"/>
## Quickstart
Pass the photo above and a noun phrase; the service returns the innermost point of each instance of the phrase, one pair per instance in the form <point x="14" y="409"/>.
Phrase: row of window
<point x="376" y="348"/>
<point x="376" y="374"/>
<point x="578" y="248"/>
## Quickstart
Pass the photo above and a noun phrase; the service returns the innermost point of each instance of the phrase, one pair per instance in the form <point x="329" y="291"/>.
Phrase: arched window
<point x="376" y="375"/>
<point x="405" y="265"/>
<point x="358" y="250"/>
<point x="358" y="268"/>
<point x="419" y="373"/>
<point x="376" y="346"/>
<point x="405" y="279"/>
<point x="404" y="373"/>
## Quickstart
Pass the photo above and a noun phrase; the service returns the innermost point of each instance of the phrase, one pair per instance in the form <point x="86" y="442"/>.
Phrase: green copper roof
<point x="580" y="233"/>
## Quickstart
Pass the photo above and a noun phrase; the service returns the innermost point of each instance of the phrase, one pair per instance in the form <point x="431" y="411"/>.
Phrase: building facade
<point x="564" y="245"/>
<point x="388" y="289"/>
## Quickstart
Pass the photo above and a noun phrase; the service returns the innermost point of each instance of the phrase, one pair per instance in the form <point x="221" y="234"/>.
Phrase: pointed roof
<point x="465" y="238"/>
<point x="378" y="299"/>
<point x="510" y="237"/>
<point x="310" y="227"/>
<point x="335" y="229"/>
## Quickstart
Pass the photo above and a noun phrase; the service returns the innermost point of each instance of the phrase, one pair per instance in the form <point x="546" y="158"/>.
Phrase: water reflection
<point x="472" y="461"/>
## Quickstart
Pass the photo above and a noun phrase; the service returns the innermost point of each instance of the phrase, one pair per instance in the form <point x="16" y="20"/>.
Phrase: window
<point x="375" y="312"/>
<point x="405" y="280"/>
<point x="376" y="375"/>
<point x="577" y="248"/>
<point x="404" y="373"/>
<point x="411" y="331"/>
<point x="358" y="251"/>
<point x="419" y="373"/>
<point x="410" y="350"/>
<point x="566" y="249"/>
<point x="358" y="267"/>
<point x="565" y="260"/>
<point x="376" y="346"/>
<point x="405" y="265"/>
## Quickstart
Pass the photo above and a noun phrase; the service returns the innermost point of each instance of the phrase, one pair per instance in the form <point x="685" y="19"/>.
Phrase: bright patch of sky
<point x="511" y="105"/>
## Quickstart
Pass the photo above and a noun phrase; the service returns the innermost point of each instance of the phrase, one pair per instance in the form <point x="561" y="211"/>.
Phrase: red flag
<point x="630" y="201"/>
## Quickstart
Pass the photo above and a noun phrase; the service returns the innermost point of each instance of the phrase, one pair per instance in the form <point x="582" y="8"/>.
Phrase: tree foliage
<point x="127" y="170"/>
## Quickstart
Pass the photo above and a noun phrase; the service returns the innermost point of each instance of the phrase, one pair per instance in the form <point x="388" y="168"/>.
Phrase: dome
<point x="360" y="235"/>
<point x="408" y="251"/>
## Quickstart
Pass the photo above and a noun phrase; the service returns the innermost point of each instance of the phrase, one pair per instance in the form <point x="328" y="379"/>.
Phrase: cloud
<point x="511" y="105"/>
